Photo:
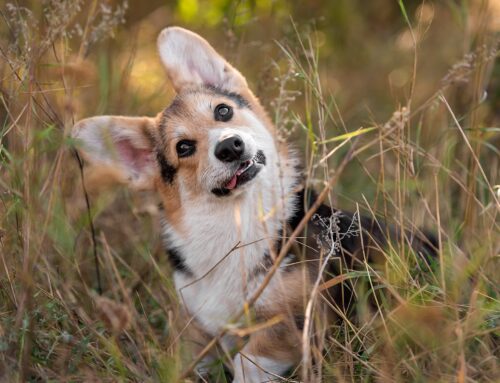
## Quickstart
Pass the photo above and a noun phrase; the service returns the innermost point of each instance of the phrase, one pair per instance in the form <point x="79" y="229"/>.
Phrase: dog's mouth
<point x="246" y="172"/>
<point x="239" y="176"/>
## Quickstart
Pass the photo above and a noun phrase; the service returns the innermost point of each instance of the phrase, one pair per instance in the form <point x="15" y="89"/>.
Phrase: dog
<point x="231" y="194"/>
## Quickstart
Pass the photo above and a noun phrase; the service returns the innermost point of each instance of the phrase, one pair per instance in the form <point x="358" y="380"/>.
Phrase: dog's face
<point x="214" y="139"/>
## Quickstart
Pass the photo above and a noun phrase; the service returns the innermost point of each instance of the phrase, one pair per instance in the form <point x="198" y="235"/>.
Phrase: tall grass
<point x="429" y="159"/>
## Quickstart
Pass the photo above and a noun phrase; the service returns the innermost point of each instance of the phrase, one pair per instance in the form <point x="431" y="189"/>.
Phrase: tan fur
<point x="281" y="341"/>
<point x="171" y="201"/>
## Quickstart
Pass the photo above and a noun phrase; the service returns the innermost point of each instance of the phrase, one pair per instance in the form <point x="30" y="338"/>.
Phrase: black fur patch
<point x="260" y="157"/>
<point x="300" y="210"/>
<point x="267" y="262"/>
<point x="374" y="233"/>
<point x="299" y="320"/>
<point x="263" y="267"/>
<point x="221" y="192"/>
<point x="237" y="98"/>
<point x="177" y="261"/>
<point x="167" y="171"/>
<point x="174" y="109"/>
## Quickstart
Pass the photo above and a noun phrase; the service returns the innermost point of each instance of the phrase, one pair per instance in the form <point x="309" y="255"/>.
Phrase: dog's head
<point x="214" y="139"/>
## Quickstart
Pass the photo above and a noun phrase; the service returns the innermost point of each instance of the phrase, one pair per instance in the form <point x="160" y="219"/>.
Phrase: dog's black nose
<point x="230" y="149"/>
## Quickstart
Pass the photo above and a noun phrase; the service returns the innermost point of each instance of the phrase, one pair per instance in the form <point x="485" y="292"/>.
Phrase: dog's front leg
<point x="269" y="354"/>
<point x="249" y="368"/>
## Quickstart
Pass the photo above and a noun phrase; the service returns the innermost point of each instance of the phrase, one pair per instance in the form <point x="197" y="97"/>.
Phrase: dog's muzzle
<point x="247" y="170"/>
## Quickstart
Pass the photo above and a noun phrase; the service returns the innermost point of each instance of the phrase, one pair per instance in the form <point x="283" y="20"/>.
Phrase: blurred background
<point x="419" y="77"/>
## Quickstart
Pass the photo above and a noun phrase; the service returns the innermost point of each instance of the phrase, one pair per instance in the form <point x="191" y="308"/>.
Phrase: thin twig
<point x="91" y="223"/>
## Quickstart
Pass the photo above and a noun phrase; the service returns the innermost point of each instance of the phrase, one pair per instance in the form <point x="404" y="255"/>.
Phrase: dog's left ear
<point x="191" y="60"/>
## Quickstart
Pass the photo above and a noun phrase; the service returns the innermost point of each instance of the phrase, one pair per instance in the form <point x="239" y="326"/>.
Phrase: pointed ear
<point x="191" y="60"/>
<point x="125" y="144"/>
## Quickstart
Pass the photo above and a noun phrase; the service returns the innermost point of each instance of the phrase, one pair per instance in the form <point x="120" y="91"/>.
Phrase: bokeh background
<point x="419" y="77"/>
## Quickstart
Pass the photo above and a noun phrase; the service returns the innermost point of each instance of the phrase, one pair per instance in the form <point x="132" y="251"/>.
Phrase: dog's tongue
<point x="232" y="183"/>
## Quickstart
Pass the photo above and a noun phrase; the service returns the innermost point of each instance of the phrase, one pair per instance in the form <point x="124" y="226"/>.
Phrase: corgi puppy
<point x="230" y="194"/>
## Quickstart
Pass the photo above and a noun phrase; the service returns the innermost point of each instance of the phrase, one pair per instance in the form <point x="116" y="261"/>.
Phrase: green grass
<point x="405" y="130"/>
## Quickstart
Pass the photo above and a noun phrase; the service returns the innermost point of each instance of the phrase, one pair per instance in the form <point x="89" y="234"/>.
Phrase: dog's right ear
<point x="191" y="60"/>
<point x="125" y="144"/>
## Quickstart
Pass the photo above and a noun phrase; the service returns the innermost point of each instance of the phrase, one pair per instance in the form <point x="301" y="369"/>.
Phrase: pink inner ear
<point x="135" y="159"/>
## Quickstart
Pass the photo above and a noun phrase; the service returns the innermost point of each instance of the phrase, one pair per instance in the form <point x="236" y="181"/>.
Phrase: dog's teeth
<point x="244" y="166"/>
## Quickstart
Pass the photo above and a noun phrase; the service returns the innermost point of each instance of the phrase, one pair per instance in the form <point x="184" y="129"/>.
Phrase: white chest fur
<point x="223" y="242"/>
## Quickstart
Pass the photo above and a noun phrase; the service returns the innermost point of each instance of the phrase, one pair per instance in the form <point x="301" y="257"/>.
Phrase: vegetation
<point x="398" y="101"/>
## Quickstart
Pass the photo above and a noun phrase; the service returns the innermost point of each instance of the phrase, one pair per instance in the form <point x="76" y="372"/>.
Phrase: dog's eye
<point x="223" y="112"/>
<point x="185" y="148"/>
